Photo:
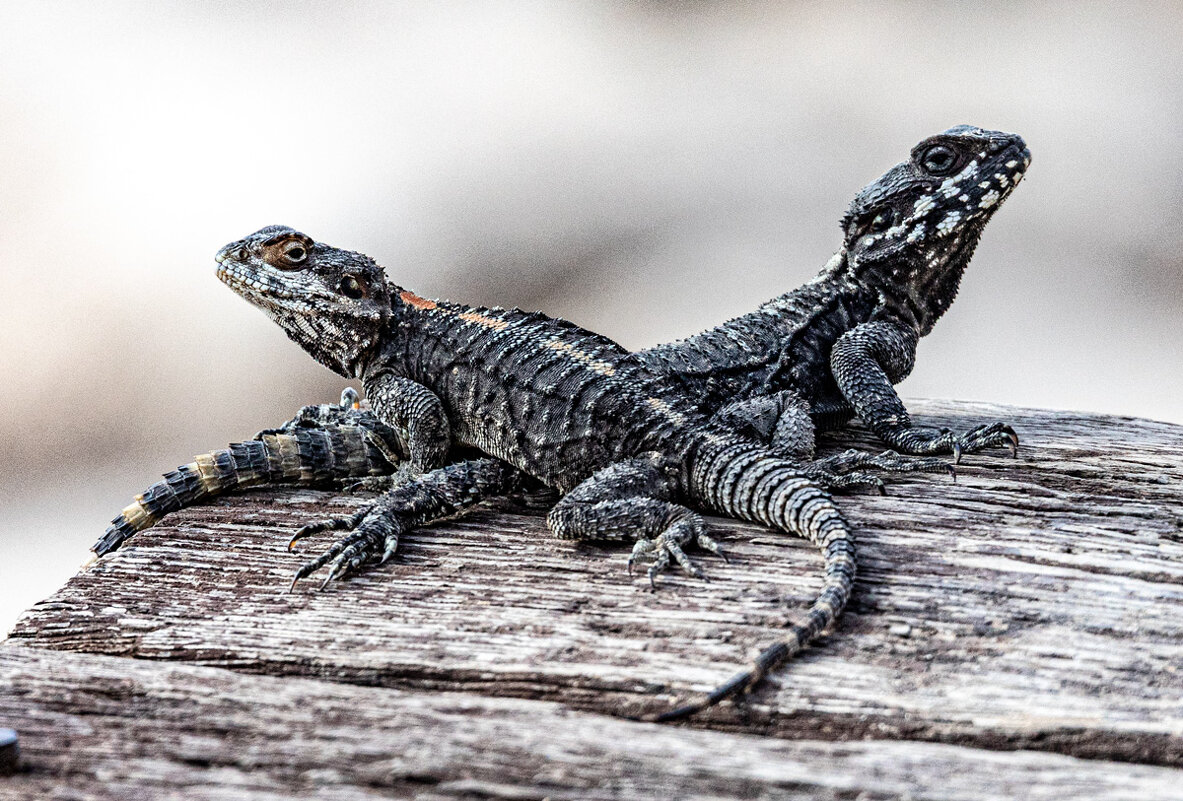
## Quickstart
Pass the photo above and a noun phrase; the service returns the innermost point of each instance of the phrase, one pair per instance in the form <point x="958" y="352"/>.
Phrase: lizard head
<point x="916" y="227"/>
<point x="332" y="302"/>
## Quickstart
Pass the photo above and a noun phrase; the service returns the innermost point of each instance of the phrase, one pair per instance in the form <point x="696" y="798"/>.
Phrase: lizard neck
<point x="405" y="324"/>
<point x="918" y="287"/>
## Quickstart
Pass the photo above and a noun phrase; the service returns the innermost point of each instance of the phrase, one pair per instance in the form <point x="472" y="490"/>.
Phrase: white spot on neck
<point x="949" y="222"/>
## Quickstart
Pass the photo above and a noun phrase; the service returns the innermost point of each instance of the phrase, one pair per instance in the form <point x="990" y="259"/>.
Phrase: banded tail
<point x="308" y="456"/>
<point x="745" y="481"/>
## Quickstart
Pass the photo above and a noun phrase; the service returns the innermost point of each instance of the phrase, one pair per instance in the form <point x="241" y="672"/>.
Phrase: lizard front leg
<point x="412" y="408"/>
<point x="319" y="415"/>
<point x="375" y="529"/>
<point x="866" y="361"/>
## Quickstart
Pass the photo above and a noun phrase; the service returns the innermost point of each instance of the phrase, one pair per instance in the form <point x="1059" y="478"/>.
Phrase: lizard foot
<point x="838" y="471"/>
<point x="838" y="481"/>
<point x="888" y="461"/>
<point x="923" y="441"/>
<point x="373" y="537"/>
<point x="667" y="547"/>
<point x="347" y="412"/>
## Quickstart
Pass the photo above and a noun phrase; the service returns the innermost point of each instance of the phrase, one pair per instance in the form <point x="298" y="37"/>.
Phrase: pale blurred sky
<point x="645" y="169"/>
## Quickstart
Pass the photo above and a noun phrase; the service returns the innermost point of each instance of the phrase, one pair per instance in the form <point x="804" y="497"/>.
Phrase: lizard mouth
<point x="250" y="283"/>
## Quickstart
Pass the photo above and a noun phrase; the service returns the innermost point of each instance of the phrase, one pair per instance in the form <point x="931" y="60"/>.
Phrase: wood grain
<point x="1036" y="603"/>
<point x="98" y="727"/>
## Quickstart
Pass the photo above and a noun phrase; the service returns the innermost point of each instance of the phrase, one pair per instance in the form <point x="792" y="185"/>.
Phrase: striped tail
<point x="746" y="482"/>
<point x="308" y="456"/>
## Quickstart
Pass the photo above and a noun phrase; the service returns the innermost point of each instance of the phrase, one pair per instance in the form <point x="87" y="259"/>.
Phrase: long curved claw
<point x="305" y="570"/>
<point x="1013" y="442"/>
<point x="987" y="436"/>
<point x="310" y="567"/>
<point x="711" y="546"/>
<point x="328" y="524"/>
<point x="389" y="550"/>
<point x="333" y="573"/>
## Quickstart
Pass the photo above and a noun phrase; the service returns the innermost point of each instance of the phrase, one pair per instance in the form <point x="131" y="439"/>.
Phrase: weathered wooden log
<point x="1036" y="603"/>
<point x="102" y="727"/>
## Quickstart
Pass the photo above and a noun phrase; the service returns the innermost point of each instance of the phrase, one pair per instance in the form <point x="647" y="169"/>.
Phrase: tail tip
<point x="112" y="538"/>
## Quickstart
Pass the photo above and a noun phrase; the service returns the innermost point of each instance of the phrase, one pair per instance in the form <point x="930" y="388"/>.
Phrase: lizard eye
<point x="295" y="253"/>
<point x="939" y="159"/>
<point x="352" y="288"/>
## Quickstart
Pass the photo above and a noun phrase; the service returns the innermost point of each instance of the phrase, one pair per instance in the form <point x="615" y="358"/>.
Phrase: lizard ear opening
<point x="352" y="288"/>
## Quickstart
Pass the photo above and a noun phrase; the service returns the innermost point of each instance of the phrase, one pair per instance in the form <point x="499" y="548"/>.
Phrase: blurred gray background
<point x="644" y="169"/>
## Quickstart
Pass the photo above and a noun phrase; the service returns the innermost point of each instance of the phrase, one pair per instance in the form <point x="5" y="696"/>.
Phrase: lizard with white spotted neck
<point x="871" y="327"/>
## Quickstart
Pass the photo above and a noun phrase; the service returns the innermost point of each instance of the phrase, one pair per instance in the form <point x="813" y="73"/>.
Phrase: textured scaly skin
<point x="865" y="325"/>
<point x="774" y="374"/>
<point x="833" y="348"/>
<point x="566" y="407"/>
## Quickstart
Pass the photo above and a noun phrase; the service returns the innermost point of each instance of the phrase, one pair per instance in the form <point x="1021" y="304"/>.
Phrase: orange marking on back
<point x="480" y="319"/>
<point x="411" y="299"/>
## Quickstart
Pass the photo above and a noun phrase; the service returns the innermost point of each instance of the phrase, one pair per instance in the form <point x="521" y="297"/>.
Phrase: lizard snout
<point x="232" y="252"/>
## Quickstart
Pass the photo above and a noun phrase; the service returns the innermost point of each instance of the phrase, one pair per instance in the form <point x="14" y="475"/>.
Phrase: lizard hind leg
<point x="629" y="500"/>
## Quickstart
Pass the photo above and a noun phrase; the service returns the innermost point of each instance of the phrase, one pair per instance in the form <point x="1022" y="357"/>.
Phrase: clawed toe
<point x="344" y="557"/>
<point x="927" y="441"/>
<point x="373" y="537"/>
<point x="666" y="549"/>
<point x="990" y="435"/>
<point x="711" y="546"/>
<point x="839" y="471"/>
<point x="328" y="524"/>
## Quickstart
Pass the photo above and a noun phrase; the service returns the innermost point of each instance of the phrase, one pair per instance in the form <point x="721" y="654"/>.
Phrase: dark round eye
<point x="939" y="159"/>
<point x="295" y="253"/>
<point x="881" y="222"/>
<point x="352" y="288"/>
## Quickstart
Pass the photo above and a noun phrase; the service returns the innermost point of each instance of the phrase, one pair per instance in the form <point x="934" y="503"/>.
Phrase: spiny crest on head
<point x="953" y="182"/>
